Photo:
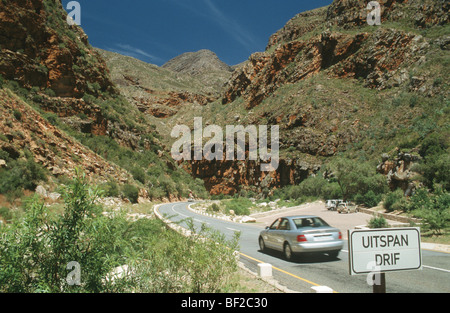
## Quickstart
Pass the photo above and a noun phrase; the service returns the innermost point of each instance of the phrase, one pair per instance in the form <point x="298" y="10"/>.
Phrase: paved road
<point x="302" y="274"/>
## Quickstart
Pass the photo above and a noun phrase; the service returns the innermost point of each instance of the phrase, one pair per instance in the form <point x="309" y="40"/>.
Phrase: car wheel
<point x="288" y="251"/>
<point x="262" y="245"/>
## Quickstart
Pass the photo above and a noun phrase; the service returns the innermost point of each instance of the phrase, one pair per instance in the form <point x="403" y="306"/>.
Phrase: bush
<point x="434" y="209"/>
<point x="391" y="199"/>
<point x="44" y="245"/>
<point x="138" y="174"/>
<point x="369" y="199"/>
<point x="21" y="174"/>
<point x="110" y="189"/>
<point x="50" y="92"/>
<point x="355" y="177"/>
<point x="312" y="186"/>
<point x="130" y="192"/>
<point x="240" y="206"/>
<point x="17" y="114"/>
<point x="36" y="250"/>
<point x="378" y="221"/>
<point x="5" y="213"/>
<point x="215" y="207"/>
<point x="331" y="191"/>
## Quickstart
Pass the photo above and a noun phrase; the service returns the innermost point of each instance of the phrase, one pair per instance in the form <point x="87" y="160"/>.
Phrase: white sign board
<point x="384" y="250"/>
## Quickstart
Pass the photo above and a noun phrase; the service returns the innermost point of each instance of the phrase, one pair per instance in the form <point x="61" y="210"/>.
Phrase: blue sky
<point x="155" y="31"/>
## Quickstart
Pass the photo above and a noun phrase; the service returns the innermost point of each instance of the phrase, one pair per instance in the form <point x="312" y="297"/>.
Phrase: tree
<point x="433" y="209"/>
<point x="356" y="178"/>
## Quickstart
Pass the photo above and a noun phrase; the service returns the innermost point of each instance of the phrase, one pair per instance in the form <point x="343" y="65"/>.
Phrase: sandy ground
<point x="342" y="221"/>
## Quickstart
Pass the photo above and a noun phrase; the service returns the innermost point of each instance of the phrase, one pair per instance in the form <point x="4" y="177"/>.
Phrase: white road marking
<point x="437" y="268"/>
<point x="200" y="221"/>
<point x="173" y="209"/>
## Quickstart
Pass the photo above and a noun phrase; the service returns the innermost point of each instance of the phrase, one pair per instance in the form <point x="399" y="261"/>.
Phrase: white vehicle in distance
<point x="333" y="204"/>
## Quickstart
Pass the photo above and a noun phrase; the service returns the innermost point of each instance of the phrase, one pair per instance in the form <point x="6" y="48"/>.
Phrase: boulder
<point x="40" y="190"/>
<point x="248" y="219"/>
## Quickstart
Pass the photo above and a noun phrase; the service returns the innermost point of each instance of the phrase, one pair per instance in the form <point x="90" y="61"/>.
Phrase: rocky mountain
<point x="39" y="49"/>
<point x="331" y="82"/>
<point x="159" y="91"/>
<point x="336" y="86"/>
<point x="204" y="65"/>
<point x="60" y="109"/>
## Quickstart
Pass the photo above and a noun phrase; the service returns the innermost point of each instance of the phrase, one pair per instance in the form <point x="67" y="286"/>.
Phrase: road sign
<point x="384" y="250"/>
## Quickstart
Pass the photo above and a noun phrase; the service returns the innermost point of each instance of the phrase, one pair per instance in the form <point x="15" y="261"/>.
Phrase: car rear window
<point x="309" y="222"/>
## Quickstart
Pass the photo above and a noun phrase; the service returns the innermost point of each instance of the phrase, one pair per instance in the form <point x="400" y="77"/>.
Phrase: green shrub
<point x="240" y="206"/>
<point x="138" y="174"/>
<point x="50" y="92"/>
<point x="21" y="174"/>
<point x="37" y="249"/>
<point x="378" y="221"/>
<point x="433" y="208"/>
<point x="331" y="191"/>
<point x="17" y="114"/>
<point x="391" y="199"/>
<point x="215" y="207"/>
<point x="130" y="192"/>
<point x="312" y="186"/>
<point x="370" y="199"/>
<point x="110" y="189"/>
<point x="436" y="161"/>
<point x="6" y="213"/>
<point x="355" y="177"/>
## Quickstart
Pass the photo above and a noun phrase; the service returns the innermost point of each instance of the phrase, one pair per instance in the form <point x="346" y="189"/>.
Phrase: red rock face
<point x="364" y="55"/>
<point x="39" y="49"/>
<point x="229" y="177"/>
<point x="50" y="147"/>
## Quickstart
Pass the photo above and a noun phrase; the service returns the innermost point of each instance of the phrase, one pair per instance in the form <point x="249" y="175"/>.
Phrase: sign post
<point x="377" y="251"/>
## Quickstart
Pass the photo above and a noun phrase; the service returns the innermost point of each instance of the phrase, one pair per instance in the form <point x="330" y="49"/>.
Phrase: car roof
<point x="299" y="216"/>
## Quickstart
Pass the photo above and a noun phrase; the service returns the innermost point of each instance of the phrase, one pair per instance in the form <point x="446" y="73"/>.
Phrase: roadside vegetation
<point x="37" y="247"/>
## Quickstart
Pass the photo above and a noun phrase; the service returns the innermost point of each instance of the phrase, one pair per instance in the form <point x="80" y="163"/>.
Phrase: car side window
<point x="284" y="224"/>
<point x="275" y="224"/>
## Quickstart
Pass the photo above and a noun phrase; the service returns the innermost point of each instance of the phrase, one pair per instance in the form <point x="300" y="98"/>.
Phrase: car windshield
<point x="309" y="222"/>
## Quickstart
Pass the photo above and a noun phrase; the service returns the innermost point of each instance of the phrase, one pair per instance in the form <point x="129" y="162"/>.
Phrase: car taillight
<point x="301" y="238"/>
<point x="340" y="235"/>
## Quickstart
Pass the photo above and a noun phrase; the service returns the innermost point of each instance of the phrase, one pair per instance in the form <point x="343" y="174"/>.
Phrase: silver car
<point x="300" y="234"/>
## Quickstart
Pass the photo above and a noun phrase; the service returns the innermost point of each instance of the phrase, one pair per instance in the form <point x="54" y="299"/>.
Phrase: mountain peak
<point x="197" y="63"/>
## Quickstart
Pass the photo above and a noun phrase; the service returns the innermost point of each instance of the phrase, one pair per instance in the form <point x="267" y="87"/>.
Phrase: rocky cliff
<point x="191" y="79"/>
<point x="39" y="49"/>
<point x="308" y="44"/>
<point x="59" y="102"/>
<point x="329" y="81"/>
<point x="23" y="128"/>
<point x="334" y="85"/>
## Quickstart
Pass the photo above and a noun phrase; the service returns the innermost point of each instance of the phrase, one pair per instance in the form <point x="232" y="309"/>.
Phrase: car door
<point x="270" y="234"/>
<point x="278" y="233"/>
<point x="282" y="233"/>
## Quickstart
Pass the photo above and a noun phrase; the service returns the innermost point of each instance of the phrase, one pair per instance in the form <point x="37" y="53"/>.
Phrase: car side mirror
<point x="267" y="227"/>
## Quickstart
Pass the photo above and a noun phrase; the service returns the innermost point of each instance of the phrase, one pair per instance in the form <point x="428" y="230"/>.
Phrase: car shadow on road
<point x="304" y="258"/>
